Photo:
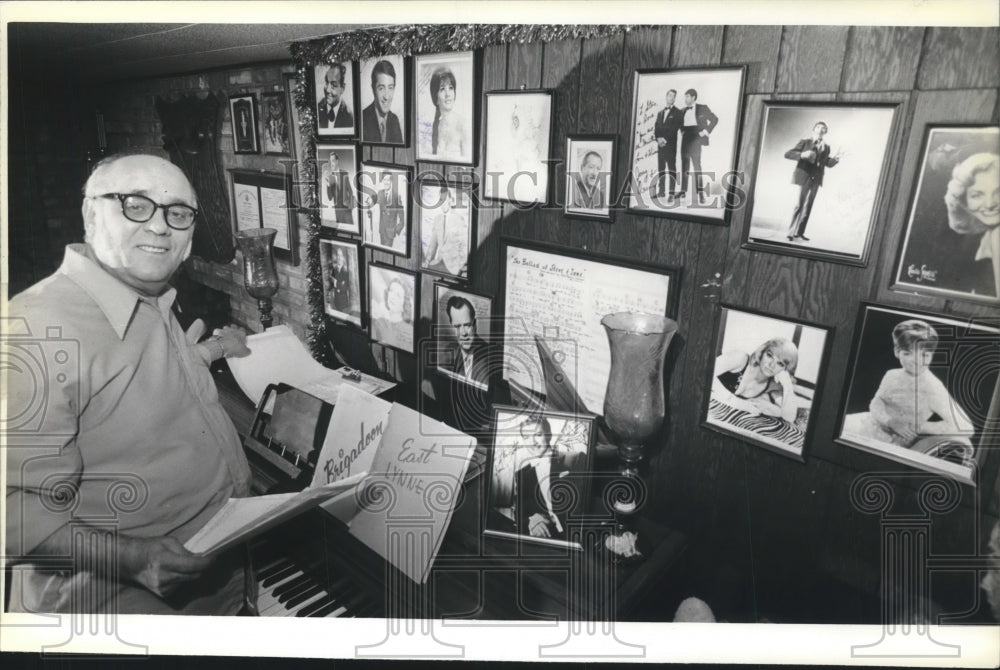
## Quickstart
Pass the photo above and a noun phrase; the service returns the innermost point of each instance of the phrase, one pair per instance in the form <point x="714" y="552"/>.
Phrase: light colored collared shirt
<point x="127" y="431"/>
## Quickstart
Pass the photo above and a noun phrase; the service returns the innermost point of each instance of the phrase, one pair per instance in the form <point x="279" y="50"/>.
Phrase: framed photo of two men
<point x="951" y="246"/>
<point x="819" y="178"/>
<point x="685" y="128"/>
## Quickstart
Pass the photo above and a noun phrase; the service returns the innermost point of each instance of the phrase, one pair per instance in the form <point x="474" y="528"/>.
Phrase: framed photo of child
<point x="920" y="389"/>
<point x="539" y="475"/>
<point x="766" y="378"/>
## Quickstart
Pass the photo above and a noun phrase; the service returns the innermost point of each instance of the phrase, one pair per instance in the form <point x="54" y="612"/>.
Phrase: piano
<point x="312" y="567"/>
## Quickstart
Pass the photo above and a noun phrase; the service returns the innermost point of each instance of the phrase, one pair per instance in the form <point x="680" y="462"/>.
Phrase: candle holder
<point x="634" y="409"/>
<point x="260" y="276"/>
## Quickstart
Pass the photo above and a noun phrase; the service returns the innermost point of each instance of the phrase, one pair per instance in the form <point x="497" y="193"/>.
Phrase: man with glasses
<point x="128" y="452"/>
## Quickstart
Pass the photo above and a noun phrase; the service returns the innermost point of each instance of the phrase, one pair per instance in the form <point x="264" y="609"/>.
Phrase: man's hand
<point x="808" y="154"/>
<point x="538" y="526"/>
<point x="660" y="142"/>
<point x="159" y="564"/>
<point x="233" y="340"/>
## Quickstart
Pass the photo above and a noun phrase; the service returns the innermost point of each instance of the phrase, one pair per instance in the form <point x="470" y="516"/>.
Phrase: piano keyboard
<point x="286" y="588"/>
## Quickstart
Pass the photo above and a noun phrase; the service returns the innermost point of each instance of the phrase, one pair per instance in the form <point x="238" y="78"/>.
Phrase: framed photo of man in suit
<point x="342" y="299"/>
<point x="539" y="475"/>
<point x="336" y="173"/>
<point x="446" y="223"/>
<point x="685" y="131"/>
<point x="819" y="177"/>
<point x="384" y="194"/>
<point x="590" y="184"/>
<point x="336" y="100"/>
<point x="463" y="336"/>
<point x="383" y="91"/>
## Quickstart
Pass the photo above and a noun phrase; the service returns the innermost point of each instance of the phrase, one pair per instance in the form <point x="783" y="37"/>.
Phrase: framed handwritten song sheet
<point x="560" y="296"/>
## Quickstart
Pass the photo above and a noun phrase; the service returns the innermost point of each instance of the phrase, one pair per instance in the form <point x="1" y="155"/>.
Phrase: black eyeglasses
<point x="140" y="209"/>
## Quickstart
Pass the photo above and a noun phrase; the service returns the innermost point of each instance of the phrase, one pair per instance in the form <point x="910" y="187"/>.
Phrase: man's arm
<point x="795" y="153"/>
<point x="711" y="120"/>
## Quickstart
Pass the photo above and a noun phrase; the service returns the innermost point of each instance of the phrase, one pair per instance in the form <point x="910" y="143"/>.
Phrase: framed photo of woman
<point x="951" y="246"/>
<point x="445" y="92"/>
<point x="385" y="206"/>
<point x="336" y="97"/>
<point x="685" y="134"/>
<point x="920" y="389"/>
<point x="820" y="174"/>
<point x="392" y="306"/>
<point x="384" y="89"/>
<point x="342" y="298"/>
<point x="336" y="170"/>
<point x="766" y="379"/>
<point x="463" y="336"/>
<point x="518" y="146"/>
<point x="590" y="185"/>
<point x="446" y="227"/>
<point x="243" y="114"/>
<point x="539" y="475"/>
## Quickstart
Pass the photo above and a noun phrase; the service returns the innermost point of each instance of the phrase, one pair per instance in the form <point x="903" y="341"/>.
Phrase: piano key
<point x="305" y="595"/>
<point x="280" y="575"/>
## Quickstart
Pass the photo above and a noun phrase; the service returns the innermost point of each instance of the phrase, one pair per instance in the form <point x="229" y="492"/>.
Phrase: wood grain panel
<point x="734" y="277"/>
<point x="778" y="283"/>
<point x="486" y="263"/>
<point x="929" y="107"/>
<point x="644" y="48"/>
<point x="757" y="48"/>
<point x="811" y="58"/>
<point x="562" y="74"/>
<point x="882" y="58"/>
<point x="524" y="66"/>
<point x="601" y="69"/>
<point x="696" y="45"/>
<point x="960" y="58"/>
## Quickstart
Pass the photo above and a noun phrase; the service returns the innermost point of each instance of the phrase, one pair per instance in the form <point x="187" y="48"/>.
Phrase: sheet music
<point x="278" y="356"/>
<point x="563" y="299"/>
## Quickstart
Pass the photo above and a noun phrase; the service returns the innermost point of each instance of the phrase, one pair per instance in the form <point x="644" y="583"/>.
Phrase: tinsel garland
<point x="395" y="40"/>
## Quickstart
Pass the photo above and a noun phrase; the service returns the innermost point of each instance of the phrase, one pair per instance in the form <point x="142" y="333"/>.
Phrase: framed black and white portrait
<point x="518" y="146"/>
<point x="383" y="92"/>
<point x="685" y="132"/>
<point x="445" y="94"/>
<point x="446" y="227"/>
<point x="384" y="194"/>
<point x="277" y="140"/>
<point x="821" y="170"/>
<point x="464" y="349"/>
<point x="590" y="186"/>
<point x="765" y="379"/>
<point x="392" y="306"/>
<point x="243" y="114"/>
<point x="336" y="172"/>
<point x="342" y="297"/>
<point x="336" y="95"/>
<point x="920" y="389"/>
<point x="951" y="246"/>
<point x="539" y="475"/>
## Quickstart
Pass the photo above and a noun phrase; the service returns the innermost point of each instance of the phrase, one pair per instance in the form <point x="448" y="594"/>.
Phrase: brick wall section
<point x="132" y="124"/>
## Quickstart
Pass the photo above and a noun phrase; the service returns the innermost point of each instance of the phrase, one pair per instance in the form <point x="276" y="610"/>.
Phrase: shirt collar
<point x="114" y="298"/>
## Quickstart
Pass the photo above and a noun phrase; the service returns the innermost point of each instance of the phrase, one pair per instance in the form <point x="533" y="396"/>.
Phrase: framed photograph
<point x="685" y="133"/>
<point x="920" y="389"/>
<point x="291" y="81"/>
<point x="518" y="146"/>
<point x="385" y="206"/>
<point x="590" y="185"/>
<point x="392" y="306"/>
<point x="384" y="103"/>
<point x="263" y="200"/>
<point x="464" y="347"/>
<point x="951" y="246"/>
<point x="335" y="100"/>
<point x="276" y="136"/>
<point x="539" y="475"/>
<point x="821" y="170"/>
<point x="342" y="298"/>
<point x="559" y="296"/>
<point x="445" y="91"/>
<point x="243" y="114"/>
<point x="446" y="227"/>
<point x="766" y="379"/>
<point x="337" y="171"/>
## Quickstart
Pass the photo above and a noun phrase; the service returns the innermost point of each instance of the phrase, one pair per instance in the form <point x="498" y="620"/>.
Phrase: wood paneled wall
<point x="783" y="526"/>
